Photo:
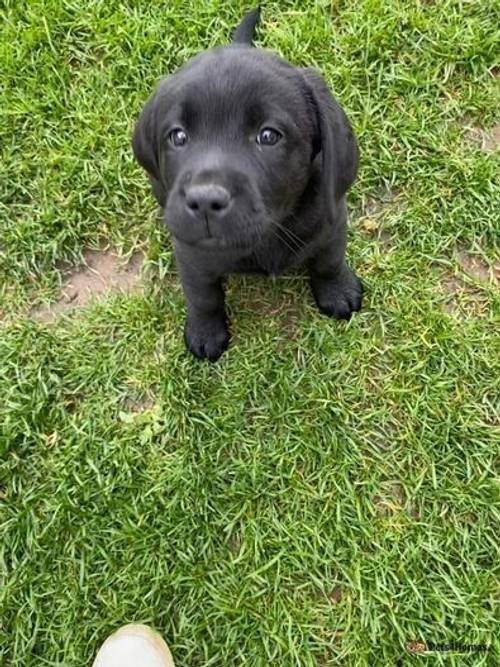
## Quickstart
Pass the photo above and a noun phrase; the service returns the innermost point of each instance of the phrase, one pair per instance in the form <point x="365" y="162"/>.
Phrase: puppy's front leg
<point x="206" y="332"/>
<point x="336" y="288"/>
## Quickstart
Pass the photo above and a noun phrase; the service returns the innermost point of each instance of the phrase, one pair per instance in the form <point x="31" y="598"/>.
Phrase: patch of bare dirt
<point x="488" y="140"/>
<point x="463" y="301"/>
<point x="138" y="404"/>
<point x="103" y="273"/>
<point x="474" y="265"/>
<point x="391" y="499"/>
<point x="235" y="543"/>
<point x="336" y="595"/>
<point x="373" y="207"/>
<point x="452" y="286"/>
<point x="372" y="211"/>
<point x="416" y="647"/>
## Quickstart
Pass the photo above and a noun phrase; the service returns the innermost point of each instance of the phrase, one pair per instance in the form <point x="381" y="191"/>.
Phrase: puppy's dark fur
<point x="234" y="199"/>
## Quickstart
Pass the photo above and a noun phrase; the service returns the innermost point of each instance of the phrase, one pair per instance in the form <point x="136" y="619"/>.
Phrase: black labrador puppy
<point x="251" y="159"/>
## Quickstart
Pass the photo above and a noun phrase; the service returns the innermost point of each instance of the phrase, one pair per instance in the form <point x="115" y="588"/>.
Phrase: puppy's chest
<point x="276" y="255"/>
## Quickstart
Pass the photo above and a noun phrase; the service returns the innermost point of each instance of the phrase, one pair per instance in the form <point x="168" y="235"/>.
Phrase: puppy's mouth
<point x="241" y="232"/>
<point x="224" y="243"/>
<point x="217" y="213"/>
<point x="211" y="242"/>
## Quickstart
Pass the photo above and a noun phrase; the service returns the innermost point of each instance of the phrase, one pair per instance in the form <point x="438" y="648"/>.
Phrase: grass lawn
<point x="325" y="493"/>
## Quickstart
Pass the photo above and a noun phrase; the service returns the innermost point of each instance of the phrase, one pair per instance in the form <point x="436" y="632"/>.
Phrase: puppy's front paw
<point x="207" y="338"/>
<point x="340" y="296"/>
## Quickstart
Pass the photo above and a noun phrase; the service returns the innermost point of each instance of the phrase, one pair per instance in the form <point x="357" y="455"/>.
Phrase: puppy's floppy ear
<point x="146" y="146"/>
<point x="144" y="141"/>
<point x="333" y="137"/>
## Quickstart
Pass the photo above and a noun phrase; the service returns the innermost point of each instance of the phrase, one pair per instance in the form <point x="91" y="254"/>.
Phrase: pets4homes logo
<point x="418" y="647"/>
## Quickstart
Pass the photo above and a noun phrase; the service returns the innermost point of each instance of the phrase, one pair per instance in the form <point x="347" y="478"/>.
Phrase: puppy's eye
<point x="268" y="137"/>
<point x="178" y="137"/>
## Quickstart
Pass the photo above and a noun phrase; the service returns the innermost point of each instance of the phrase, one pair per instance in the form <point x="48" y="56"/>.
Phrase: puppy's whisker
<point x="298" y="241"/>
<point x="276" y="228"/>
<point x="284" y="241"/>
<point x="289" y="233"/>
<point x="293" y="238"/>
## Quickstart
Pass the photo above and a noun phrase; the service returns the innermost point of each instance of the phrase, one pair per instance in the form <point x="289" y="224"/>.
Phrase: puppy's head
<point x="230" y="140"/>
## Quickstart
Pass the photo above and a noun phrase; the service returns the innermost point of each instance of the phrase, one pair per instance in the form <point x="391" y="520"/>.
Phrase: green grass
<point x="325" y="493"/>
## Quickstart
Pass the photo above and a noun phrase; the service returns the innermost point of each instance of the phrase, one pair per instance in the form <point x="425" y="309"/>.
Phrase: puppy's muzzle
<point x="209" y="200"/>
<point x="216" y="204"/>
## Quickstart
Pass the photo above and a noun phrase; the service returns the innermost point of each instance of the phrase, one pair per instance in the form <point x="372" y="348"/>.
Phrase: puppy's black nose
<point x="209" y="199"/>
